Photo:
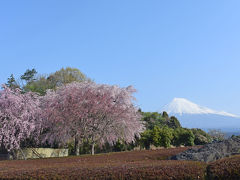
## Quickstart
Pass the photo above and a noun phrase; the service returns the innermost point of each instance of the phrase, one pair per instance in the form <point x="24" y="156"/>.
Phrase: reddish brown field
<point x="228" y="168"/>
<point x="152" y="164"/>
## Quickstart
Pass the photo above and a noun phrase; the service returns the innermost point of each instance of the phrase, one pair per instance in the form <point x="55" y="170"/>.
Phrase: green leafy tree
<point x="152" y="119"/>
<point x="162" y="136"/>
<point x="146" y="139"/>
<point x="121" y="145"/>
<point x="201" y="137"/>
<point x="182" y="136"/>
<point x="67" y="75"/>
<point x="41" y="83"/>
<point x="189" y="137"/>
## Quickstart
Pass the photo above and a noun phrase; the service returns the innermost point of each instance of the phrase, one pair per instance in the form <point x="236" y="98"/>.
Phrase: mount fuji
<point x="192" y="115"/>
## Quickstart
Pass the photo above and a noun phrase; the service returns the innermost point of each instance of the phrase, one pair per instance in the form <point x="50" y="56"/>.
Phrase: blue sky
<point x="164" y="48"/>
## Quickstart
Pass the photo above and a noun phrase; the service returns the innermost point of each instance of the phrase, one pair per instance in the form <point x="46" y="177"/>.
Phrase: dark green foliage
<point x="119" y="146"/>
<point x="85" y="147"/>
<point x="146" y="139"/>
<point x="183" y="136"/>
<point x="173" y="122"/>
<point x="201" y="137"/>
<point x="59" y="78"/>
<point x="165" y="115"/>
<point x="153" y="119"/>
<point x="29" y="75"/>
<point x="160" y="129"/>
<point x="3" y="150"/>
<point x="122" y="146"/>
<point x="162" y="136"/>
<point x="40" y="83"/>
<point x="11" y="83"/>
<point x="156" y="119"/>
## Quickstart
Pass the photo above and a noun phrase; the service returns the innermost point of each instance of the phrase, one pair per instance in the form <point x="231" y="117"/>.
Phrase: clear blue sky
<point x="164" y="48"/>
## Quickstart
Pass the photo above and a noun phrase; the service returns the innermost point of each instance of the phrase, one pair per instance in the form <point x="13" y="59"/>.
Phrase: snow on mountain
<point x="182" y="106"/>
<point x="192" y="115"/>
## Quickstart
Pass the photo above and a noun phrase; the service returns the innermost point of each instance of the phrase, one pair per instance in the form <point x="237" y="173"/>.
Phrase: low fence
<point x="34" y="153"/>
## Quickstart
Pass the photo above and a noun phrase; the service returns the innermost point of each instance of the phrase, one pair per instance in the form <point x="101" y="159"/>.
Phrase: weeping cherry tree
<point x="19" y="118"/>
<point x="98" y="113"/>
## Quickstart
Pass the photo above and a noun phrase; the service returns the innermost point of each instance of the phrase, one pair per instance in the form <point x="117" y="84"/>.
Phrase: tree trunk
<point x="76" y="147"/>
<point x="23" y="154"/>
<point x="93" y="144"/>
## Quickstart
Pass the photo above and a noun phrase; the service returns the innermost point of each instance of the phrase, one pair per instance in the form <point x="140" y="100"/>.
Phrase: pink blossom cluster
<point x="97" y="112"/>
<point x="19" y="117"/>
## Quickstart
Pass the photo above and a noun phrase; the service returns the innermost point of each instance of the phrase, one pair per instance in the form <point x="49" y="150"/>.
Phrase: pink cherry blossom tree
<point x="88" y="111"/>
<point x="19" y="117"/>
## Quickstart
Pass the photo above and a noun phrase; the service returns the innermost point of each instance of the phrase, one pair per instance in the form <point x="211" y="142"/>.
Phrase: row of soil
<point x="151" y="164"/>
<point x="227" y="168"/>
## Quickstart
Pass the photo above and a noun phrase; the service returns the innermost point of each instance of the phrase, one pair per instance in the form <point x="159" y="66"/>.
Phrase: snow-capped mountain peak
<point x="183" y="106"/>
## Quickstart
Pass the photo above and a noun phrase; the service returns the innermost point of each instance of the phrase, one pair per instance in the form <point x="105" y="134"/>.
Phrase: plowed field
<point x="151" y="164"/>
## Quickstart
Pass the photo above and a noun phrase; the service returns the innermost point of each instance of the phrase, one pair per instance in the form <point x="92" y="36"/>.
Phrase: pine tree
<point x="11" y="83"/>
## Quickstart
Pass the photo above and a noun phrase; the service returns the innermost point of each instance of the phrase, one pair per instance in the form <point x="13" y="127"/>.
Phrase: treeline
<point x="66" y="109"/>
<point x="161" y="131"/>
<point x="165" y="131"/>
<point x="83" y="116"/>
<point x="40" y="83"/>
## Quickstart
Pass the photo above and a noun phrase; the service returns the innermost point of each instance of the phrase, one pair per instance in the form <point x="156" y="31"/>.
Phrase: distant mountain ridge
<point x="192" y="115"/>
<point x="183" y="106"/>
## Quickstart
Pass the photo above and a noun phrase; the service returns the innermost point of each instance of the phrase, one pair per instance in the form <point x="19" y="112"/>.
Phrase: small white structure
<point x="34" y="153"/>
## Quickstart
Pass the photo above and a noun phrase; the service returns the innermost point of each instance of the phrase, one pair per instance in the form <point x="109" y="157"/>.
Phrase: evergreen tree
<point x="173" y="122"/>
<point x="11" y="83"/>
<point x="165" y="115"/>
<point x="29" y="75"/>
